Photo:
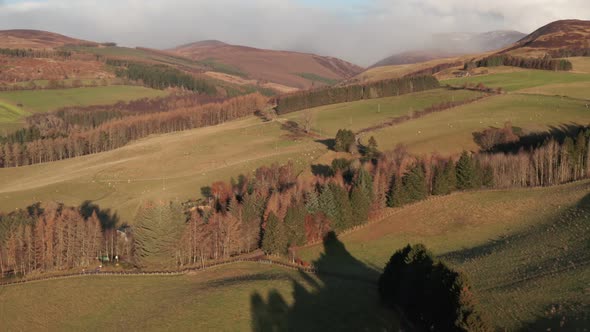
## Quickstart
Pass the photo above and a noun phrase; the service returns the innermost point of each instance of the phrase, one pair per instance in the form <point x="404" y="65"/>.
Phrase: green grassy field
<point x="511" y="244"/>
<point x="220" y="299"/>
<point x="48" y="100"/>
<point x="365" y="113"/>
<point x="518" y="80"/>
<point x="36" y="101"/>
<point x="168" y="167"/>
<point x="579" y="90"/>
<point x="451" y="131"/>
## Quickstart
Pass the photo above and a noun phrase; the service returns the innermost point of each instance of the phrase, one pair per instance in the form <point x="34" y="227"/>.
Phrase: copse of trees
<point x="345" y="141"/>
<point x="54" y="237"/>
<point x="116" y="133"/>
<point x="530" y="63"/>
<point x="333" y="95"/>
<point x="161" y="76"/>
<point x="431" y="294"/>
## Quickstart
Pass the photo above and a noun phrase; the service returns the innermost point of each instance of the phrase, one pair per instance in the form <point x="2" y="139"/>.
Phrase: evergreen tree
<point x="327" y="203"/>
<point x="431" y="294"/>
<point x="395" y="196"/>
<point x="345" y="141"/>
<point x="372" y="151"/>
<point x="158" y="228"/>
<point x="361" y="206"/>
<point x="343" y="216"/>
<point x="440" y="181"/>
<point x="312" y="202"/>
<point x="466" y="173"/>
<point x="364" y="181"/>
<point x="295" y="224"/>
<point x="275" y="240"/>
<point x="451" y="175"/>
<point x="414" y="184"/>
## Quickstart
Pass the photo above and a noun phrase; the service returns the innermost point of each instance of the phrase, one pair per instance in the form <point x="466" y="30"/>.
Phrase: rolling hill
<point x="454" y="44"/>
<point x="292" y="69"/>
<point x="565" y="37"/>
<point x="37" y="39"/>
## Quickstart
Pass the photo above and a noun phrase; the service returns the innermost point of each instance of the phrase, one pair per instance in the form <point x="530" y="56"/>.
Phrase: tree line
<point x="546" y="63"/>
<point x="30" y="53"/>
<point x="67" y="120"/>
<point x="118" y="132"/>
<point x="333" y="95"/>
<point x="276" y="210"/>
<point x="54" y="237"/>
<point x="161" y="76"/>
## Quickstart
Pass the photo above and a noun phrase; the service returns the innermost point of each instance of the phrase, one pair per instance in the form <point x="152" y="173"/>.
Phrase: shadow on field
<point x="328" y="142"/>
<point x="532" y="140"/>
<point x="575" y="317"/>
<point x="338" y="301"/>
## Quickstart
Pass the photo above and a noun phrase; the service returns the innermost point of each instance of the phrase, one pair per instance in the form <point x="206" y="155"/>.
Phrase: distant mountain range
<point x="454" y="44"/>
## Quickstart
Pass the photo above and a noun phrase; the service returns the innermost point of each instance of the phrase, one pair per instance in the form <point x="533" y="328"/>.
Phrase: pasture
<point x="511" y="244"/>
<point x="578" y="90"/>
<point x="521" y="79"/>
<point x="451" y="131"/>
<point x="237" y="297"/>
<point x="35" y="101"/>
<point x="327" y="120"/>
<point x="47" y="100"/>
<point x="165" y="167"/>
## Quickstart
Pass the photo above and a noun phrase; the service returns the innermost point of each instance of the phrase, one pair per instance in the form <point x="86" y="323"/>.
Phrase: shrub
<point x="430" y="294"/>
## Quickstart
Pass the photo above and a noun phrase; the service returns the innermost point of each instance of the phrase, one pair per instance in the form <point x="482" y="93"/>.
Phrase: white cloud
<point x="362" y="33"/>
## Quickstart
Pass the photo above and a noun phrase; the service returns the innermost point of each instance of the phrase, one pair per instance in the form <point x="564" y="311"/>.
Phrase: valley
<point x="132" y="159"/>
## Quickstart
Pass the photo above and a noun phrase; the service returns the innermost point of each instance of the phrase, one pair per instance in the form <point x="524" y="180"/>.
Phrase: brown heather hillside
<point x="281" y="67"/>
<point x="553" y="38"/>
<point x="36" y="39"/>
<point x="25" y="69"/>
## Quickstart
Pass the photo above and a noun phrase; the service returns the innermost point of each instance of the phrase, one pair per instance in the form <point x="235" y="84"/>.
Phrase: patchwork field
<point x="232" y="298"/>
<point x="166" y="167"/>
<point x="511" y="244"/>
<point x="451" y="131"/>
<point x="327" y="120"/>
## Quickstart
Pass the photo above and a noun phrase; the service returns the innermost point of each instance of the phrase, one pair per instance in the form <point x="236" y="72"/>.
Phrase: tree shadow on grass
<point x="535" y="139"/>
<point x="575" y="317"/>
<point x="339" y="299"/>
<point x="330" y="143"/>
<point x="322" y="170"/>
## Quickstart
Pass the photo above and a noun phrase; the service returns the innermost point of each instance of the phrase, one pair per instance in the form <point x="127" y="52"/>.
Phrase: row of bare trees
<point x="54" y="238"/>
<point x="116" y="133"/>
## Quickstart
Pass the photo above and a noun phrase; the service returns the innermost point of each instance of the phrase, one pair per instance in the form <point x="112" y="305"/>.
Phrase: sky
<point x="360" y="31"/>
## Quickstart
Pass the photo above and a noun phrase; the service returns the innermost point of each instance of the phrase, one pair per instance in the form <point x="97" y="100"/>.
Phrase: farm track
<point x="420" y="114"/>
<point x="260" y="259"/>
